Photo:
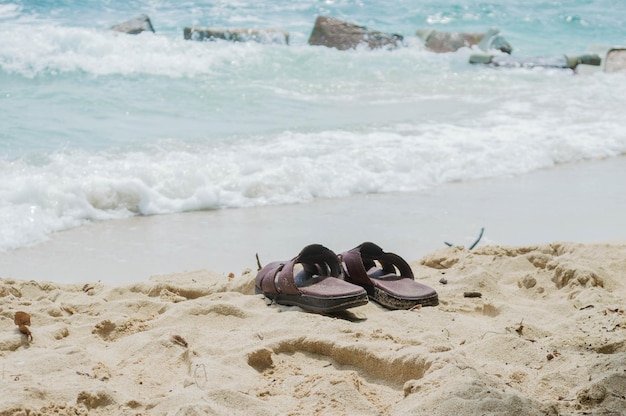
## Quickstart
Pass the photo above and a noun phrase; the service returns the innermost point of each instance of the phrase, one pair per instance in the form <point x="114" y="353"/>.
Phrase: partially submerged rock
<point x="616" y="60"/>
<point x="562" y="61"/>
<point x="609" y="59"/>
<point x="600" y="58"/>
<point x="335" y="33"/>
<point x="438" y="41"/>
<point x="237" y="35"/>
<point x="135" y="26"/>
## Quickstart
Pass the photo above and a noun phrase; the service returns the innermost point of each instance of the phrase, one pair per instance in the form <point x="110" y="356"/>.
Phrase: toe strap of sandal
<point x="315" y="259"/>
<point x="266" y="280"/>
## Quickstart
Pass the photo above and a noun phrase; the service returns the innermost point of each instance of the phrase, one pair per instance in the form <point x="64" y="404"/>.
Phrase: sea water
<point x="97" y="125"/>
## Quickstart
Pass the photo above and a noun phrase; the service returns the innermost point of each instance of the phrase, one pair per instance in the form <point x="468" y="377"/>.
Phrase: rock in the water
<point x="335" y="33"/>
<point x="562" y="61"/>
<point x="615" y="60"/>
<point x="135" y="26"/>
<point x="438" y="41"/>
<point x="237" y="35"/>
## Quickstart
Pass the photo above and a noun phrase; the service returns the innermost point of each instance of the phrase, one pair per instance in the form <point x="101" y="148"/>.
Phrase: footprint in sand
<point x="349" y="376"/>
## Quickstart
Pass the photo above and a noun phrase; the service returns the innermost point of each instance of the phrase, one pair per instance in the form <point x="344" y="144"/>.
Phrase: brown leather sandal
<point x="386" y="277"/>
<point x="315" y="287"/>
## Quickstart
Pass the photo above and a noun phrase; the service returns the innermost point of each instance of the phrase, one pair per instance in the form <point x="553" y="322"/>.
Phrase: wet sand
<point x="584" y="202"/>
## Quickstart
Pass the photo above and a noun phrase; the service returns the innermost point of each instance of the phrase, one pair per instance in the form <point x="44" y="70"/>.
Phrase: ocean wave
<point x="100" y="125"/>
<point x="68" y="188"/>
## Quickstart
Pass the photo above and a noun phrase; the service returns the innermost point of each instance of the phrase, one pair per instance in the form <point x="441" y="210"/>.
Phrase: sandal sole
<point x="393" y="302"/>
<point x="317" y="304"/>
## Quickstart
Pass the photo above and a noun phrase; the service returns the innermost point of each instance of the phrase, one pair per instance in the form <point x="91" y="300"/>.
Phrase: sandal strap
<point x="266" y="279"/>
<point x="362" y="258"/>
<point x="315" y="259"/>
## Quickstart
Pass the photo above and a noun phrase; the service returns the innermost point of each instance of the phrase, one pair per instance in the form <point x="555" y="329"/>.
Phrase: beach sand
<point x="548" y="336"/>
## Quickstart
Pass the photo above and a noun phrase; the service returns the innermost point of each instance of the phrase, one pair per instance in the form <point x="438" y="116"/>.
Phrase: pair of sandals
<point x="318" y="280"/>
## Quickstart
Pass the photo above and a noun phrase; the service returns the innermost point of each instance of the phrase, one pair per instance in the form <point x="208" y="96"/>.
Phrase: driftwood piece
<point x="472" y="295"/>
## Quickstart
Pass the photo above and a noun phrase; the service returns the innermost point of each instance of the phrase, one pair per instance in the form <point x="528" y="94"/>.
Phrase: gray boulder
<point x="615" y="60"/>
<point x="237" y="35"/>
<point x="438" y="41"/>
<point x="135" y="26"/>
<point x="335" y="33"/>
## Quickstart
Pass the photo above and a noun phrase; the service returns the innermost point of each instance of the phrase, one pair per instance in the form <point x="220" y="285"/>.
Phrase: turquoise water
<point x="98" y="125"/>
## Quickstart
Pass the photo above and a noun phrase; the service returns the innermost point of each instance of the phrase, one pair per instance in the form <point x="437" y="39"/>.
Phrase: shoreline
<point x="580" y="202"/>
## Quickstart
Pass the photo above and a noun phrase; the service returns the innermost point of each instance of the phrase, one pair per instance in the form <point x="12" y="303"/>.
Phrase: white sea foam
<point x="291" y="167"/>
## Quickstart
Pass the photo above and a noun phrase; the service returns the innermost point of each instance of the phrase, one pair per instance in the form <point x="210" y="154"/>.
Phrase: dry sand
<point x="548" y="336"/>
